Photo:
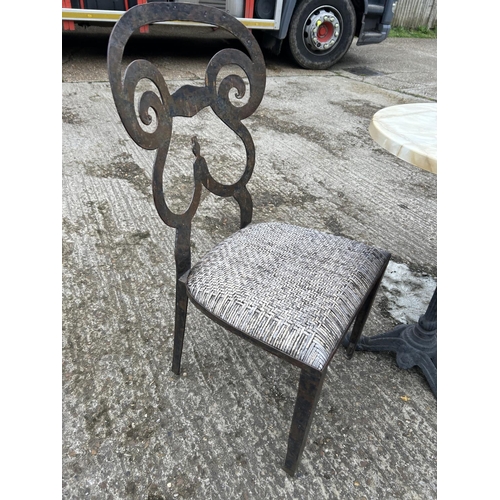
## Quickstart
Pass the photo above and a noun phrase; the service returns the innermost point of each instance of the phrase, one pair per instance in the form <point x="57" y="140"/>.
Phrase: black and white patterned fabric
<point x="293" y="288"/>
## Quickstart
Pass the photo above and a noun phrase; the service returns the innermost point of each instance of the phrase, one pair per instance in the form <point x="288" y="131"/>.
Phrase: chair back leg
<point x="183" y="264"/>
<point x="310" y="384"/>
<point x="181" y="303"/>
<point x="361" y="318"/>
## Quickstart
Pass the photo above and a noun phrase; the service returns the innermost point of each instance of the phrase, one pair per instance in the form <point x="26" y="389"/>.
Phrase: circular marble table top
<point x="408" y="131"/>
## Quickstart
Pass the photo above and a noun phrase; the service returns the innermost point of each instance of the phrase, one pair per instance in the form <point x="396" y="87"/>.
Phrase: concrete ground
<point x="134" y="430"/>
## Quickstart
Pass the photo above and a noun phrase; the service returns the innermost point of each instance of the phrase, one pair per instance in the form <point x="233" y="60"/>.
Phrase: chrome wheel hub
<point x="321" y="30"/>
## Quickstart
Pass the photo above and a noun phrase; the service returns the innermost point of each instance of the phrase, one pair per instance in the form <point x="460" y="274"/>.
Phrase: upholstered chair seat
<point x="294" y="289"/>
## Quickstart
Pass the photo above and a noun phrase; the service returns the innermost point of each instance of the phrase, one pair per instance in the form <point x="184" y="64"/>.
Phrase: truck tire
<point x="321" y="32"/>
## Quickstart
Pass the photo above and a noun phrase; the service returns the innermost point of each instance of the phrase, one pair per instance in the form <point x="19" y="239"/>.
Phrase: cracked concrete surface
<point x="132" y="429"/>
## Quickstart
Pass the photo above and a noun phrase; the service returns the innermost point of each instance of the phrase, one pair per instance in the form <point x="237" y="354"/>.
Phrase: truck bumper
<point x="376" y="23"/>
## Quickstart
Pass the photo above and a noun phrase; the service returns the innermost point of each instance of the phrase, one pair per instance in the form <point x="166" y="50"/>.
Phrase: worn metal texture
<point x="294" y="340"/>
<point x="187" y="101"/>
<point x="131" y="428"/>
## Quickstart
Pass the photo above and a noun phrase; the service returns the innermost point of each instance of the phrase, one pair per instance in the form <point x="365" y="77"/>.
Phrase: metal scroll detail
<point x="187" y="101"/>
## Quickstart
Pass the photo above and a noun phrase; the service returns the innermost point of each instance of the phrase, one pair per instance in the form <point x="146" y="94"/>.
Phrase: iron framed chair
<point x="293" y="291"/>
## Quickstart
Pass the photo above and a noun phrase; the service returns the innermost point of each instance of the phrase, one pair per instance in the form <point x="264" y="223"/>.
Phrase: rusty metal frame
<point x="186" y="102"/>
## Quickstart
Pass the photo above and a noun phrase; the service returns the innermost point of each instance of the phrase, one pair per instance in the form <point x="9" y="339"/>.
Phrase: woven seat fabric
<point x="293" y="288"/>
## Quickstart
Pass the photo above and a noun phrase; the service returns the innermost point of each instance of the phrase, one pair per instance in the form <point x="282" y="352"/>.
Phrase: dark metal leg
<point x="310" y="384"/>
<point x="181" y="303"/>
<point x="414" y="345"/>
<point x="183" y="264"/>
<point x="360" y="321"/>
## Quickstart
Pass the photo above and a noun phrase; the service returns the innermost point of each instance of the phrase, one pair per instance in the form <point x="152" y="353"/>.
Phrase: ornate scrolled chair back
<point x="187" y="101"/>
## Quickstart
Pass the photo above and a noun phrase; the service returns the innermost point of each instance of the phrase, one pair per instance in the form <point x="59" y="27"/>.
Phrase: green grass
<point x="422" y="32"/>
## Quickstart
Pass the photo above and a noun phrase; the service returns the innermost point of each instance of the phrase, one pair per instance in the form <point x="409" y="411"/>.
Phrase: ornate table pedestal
<point x="414" y="345"/>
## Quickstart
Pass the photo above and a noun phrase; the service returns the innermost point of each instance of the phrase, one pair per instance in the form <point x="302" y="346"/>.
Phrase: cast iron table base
<point x="414" y="345"/>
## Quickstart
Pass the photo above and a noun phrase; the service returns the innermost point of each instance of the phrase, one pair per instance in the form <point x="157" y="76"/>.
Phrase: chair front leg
<point x="310" y="384"/>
